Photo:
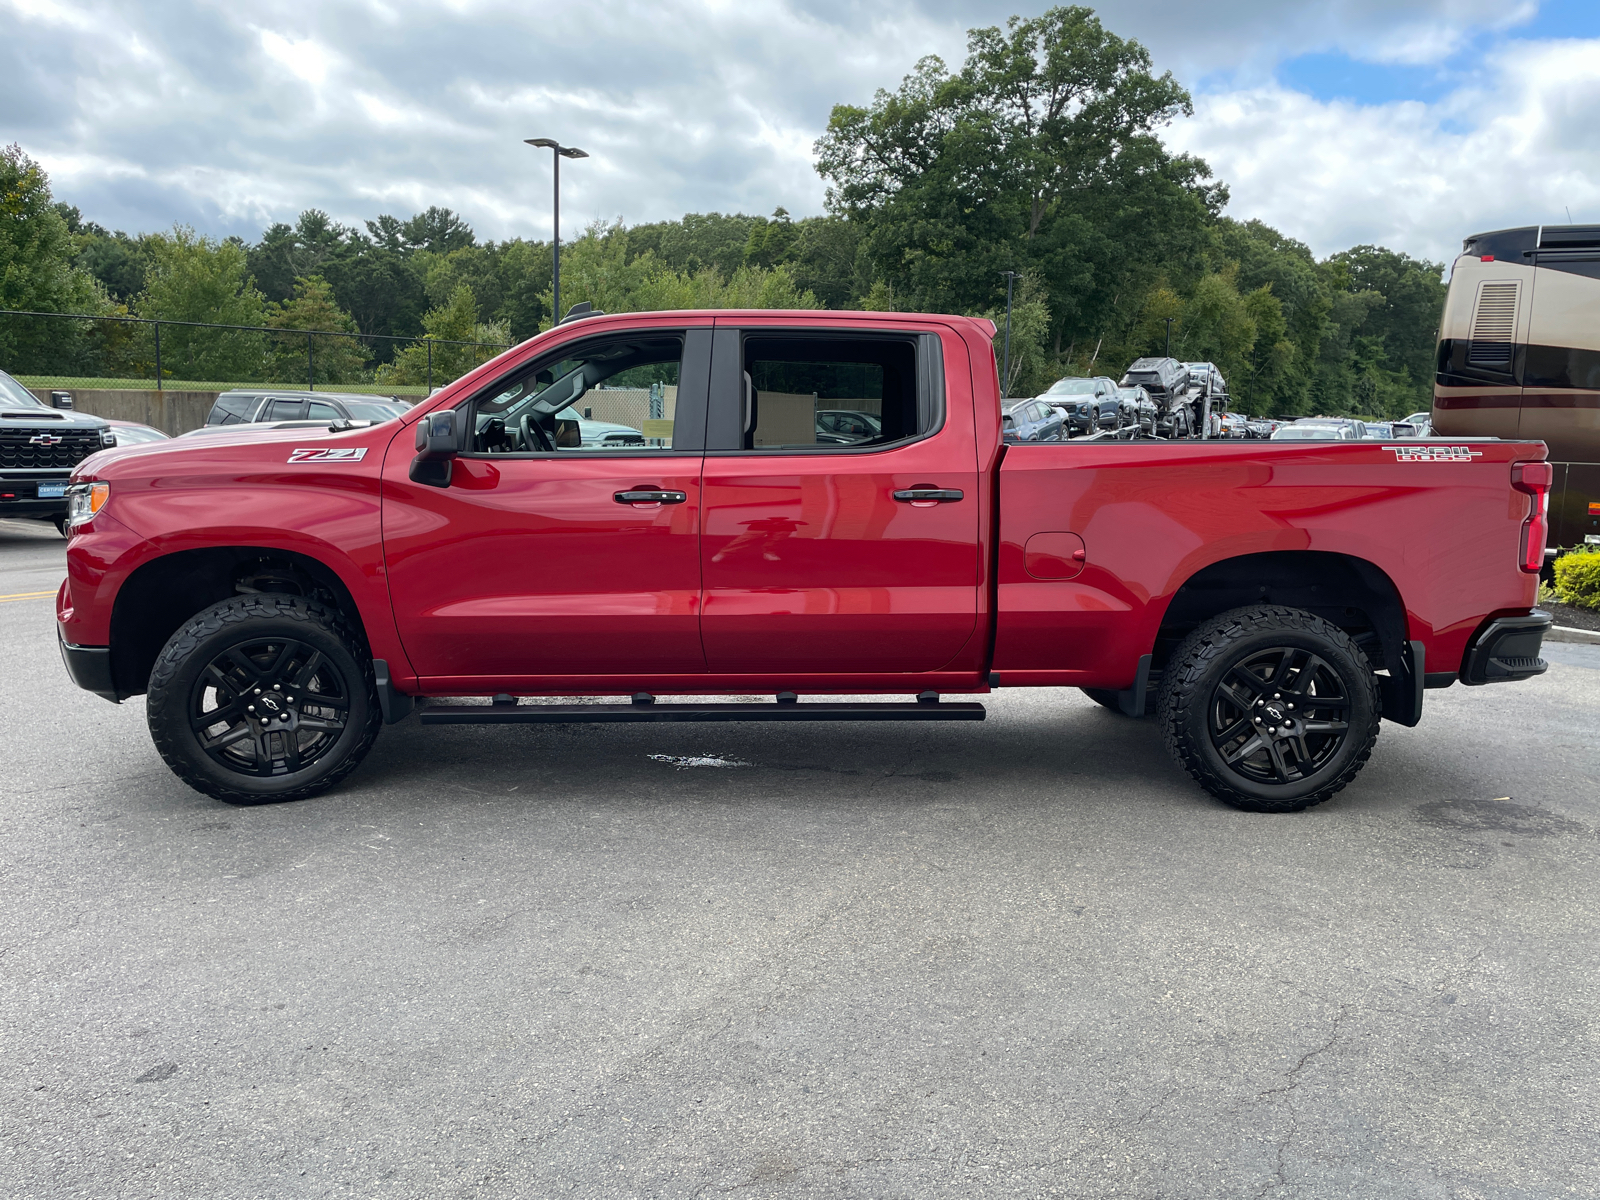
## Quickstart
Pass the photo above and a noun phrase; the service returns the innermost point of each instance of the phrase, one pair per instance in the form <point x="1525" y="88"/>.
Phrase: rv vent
<point x="1494" y="325"/>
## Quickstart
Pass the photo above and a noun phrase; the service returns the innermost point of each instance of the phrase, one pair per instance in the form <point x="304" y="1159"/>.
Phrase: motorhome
<point x="1519" y="357"/>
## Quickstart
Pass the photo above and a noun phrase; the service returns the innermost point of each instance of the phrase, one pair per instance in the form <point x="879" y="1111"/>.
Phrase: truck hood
<point x="14" y="415"/>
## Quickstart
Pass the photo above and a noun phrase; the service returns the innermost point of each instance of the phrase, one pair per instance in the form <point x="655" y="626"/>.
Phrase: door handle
<point x="650" y="496"/>
<point x="924" y="495"/>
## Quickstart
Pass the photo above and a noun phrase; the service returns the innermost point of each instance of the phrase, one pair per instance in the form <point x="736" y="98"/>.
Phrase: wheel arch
<point x="162" y="594"/>
<point x="1351" y="592"/>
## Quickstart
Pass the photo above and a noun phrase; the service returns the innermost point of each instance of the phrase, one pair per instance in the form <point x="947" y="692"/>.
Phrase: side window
<point x="609" y="394"/>
<point x="831" y="392"/>
<point x="283" y="410"/>
<point x="316" y="410"/>
<point x="233" y="410"/>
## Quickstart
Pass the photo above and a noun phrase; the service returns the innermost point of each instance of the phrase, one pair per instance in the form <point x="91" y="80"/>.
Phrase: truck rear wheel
<point x="263" y="697"/>
<point x="1270" y="709"/>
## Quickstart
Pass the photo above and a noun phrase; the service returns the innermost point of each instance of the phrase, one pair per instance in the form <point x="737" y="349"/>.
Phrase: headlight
<point x="108" y="436"/>
<point x="84" y="500"/>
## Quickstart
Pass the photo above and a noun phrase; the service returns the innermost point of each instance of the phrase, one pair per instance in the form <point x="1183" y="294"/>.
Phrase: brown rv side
<point x="1519" y="357"/>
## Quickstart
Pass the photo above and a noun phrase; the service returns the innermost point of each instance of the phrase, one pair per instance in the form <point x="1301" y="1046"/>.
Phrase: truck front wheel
<point x="263" y="697"/>
<point x="1270" y="709"/>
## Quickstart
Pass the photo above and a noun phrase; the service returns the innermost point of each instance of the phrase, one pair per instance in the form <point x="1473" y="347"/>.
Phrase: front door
<point x="566" y="544"/>
<point x="841" y="505"/>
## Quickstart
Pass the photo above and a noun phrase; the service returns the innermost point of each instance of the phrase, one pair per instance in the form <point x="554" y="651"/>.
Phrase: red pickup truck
<point x="792" y="504"/>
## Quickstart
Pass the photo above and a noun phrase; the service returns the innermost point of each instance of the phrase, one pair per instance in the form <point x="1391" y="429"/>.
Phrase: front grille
<point x="17" y="450"/>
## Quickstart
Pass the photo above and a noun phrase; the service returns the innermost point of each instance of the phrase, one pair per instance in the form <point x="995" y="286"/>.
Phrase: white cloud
<point x="230" y="116"/>
<point x="1517" y="146"/>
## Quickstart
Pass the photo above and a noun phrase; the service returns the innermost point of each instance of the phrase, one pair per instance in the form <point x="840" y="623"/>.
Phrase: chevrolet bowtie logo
<point x="43" y="439"/>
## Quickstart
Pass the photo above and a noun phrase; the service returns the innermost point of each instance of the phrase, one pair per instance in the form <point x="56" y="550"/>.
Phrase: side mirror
<point x="438" y="443"/>
<point x="60" y="399"/>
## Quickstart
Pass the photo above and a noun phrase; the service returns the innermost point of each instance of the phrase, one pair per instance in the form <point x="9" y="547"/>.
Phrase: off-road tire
<point x="1189" y="687"/>
<point x="236" y="622"/>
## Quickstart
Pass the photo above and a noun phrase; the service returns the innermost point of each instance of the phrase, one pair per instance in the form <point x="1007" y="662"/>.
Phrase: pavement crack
<point x="1286" y="1090"/>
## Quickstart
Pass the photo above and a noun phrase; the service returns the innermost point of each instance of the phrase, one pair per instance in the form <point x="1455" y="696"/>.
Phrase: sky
<point x="1404" y="123"/>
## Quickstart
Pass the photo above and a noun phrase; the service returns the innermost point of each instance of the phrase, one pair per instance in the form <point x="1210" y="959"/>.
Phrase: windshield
<point x="374" y="411"/>
<point x="1071" y="387"/>
<point x="14" y="393"/>
<point x="1308" y="433"/>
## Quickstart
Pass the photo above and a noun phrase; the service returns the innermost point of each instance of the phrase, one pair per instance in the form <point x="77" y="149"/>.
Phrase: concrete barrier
<point x="171" y="412"/>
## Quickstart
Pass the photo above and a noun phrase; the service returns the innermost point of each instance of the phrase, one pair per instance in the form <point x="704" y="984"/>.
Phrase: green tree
<point x="37" y="274"/>
<point x="325" y="359"/>
<point x="1040" y="154"/>
<point x="445" y="359"/>
<point x="196" y="278"/>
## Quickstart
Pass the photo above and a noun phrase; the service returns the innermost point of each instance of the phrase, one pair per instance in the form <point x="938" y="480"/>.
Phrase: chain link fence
<point x="88" y="353"/>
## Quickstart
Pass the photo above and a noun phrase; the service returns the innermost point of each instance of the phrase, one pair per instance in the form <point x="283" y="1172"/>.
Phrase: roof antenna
<point x="1568" y="207"/>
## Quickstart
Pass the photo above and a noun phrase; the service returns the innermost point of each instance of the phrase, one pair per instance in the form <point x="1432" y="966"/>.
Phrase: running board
<point x="562" y="714"/>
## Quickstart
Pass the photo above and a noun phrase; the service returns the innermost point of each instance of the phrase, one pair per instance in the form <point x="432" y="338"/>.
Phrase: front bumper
<point x="19" y="494"/>
<point x="1507" y="650"/>
<point x="89" y="667"/>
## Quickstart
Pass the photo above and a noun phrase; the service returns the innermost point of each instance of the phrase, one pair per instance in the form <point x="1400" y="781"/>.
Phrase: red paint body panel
<point x="811" y="566"/>
<point x="800" y="571"/>
<point x="1153" y="515"/>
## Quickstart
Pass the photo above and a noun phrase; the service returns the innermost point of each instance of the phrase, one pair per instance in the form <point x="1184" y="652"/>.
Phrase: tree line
<point x="1039" y="157"/>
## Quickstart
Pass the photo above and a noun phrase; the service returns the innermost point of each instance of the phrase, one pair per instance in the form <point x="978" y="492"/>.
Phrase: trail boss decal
<point x="329" y="454"/>
<point x="1435" y="453"/>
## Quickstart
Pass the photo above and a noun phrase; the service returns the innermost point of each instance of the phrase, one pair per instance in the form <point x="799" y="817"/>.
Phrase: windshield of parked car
<point x="1071" y="387"/>
<point x="360" y="411"/>
<point x="1309" y="433"/>
<point x="14" y="393"/>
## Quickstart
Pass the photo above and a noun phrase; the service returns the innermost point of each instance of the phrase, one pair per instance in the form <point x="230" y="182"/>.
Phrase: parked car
<point x="1136" y="400"/>
<point x="1421" y="423"/>
<point x="1233" y="425"/>
<point x="131" y="433"/>
<point x="279" y="599"/>
<point x="1322" y="429"/>
<point x="254" y="406"/>
<point x="1089" y="404"/>
<point x="848" y="425"/>
<point x="1033" y="421"/>
<point x="39" y="446"/>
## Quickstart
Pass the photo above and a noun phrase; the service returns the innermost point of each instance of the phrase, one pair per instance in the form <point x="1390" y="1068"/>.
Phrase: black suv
<point x="272" y="404"/>
<point x="39" y="446"/>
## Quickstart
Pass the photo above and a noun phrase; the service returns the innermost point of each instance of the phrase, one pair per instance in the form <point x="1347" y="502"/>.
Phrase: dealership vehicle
<point x="280" y="595"/>
<point x="251" y="407"/>
<point x="1519" y="356"/>
<point x="39" y="446"/>
<point x="131" y="433"/>
<point x="1033" y="421"/>
<point x="1137" y="401"/>
<point x="1420" y="423"/>
<point x="1090" y="404"/>
<point x="1321" y="429"/>
<point x="849" y="427"/>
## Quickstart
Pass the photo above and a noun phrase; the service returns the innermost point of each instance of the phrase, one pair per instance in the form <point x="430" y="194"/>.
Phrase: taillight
<point x="1534" y="479"/>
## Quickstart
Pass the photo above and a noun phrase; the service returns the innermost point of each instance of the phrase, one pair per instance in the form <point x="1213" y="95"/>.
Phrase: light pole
<point x="560" y="152"/>
<point x="1169" y="320"/>
<point x="1005" y="371"/>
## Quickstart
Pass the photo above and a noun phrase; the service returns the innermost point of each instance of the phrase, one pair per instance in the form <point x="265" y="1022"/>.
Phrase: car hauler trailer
<point x="1519" y="357"/>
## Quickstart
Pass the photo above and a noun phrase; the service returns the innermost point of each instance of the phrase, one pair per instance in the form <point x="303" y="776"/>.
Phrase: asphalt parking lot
<point x="1022" y="958"/>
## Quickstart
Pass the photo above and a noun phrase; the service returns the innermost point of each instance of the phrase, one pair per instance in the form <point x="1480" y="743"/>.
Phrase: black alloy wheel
<point x="264" y="697"/>
<point x="1278" y="716"/>
<point x="271" y="706"/>
<point x="1271" y="709"/>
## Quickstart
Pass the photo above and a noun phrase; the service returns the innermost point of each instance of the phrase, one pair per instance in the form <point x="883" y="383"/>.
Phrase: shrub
<point x="1578" y="579"/>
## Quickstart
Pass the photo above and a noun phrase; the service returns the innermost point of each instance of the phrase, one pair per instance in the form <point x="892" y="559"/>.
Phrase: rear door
<point x="547" y="557"/>
<point x="822" y="558"/>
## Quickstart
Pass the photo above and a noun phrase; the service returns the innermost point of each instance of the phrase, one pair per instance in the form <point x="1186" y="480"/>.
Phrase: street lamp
<point x="560" y="152"/>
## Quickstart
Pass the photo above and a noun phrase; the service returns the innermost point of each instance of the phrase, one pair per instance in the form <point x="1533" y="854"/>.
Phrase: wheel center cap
<point x="1275" y="713"/>
<point x="271" y="702"/>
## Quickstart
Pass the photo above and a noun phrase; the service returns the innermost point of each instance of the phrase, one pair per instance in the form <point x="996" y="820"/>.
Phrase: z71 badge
<point x="1435" y="453"/>
<point x="329" y="454"/>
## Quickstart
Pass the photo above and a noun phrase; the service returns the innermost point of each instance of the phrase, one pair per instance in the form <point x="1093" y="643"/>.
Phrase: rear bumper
<point x="89" y="667"/>
<point x="1507" y="650"/>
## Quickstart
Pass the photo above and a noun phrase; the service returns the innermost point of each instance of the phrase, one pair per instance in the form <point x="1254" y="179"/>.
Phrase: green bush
<point x="1578" y="579"/>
